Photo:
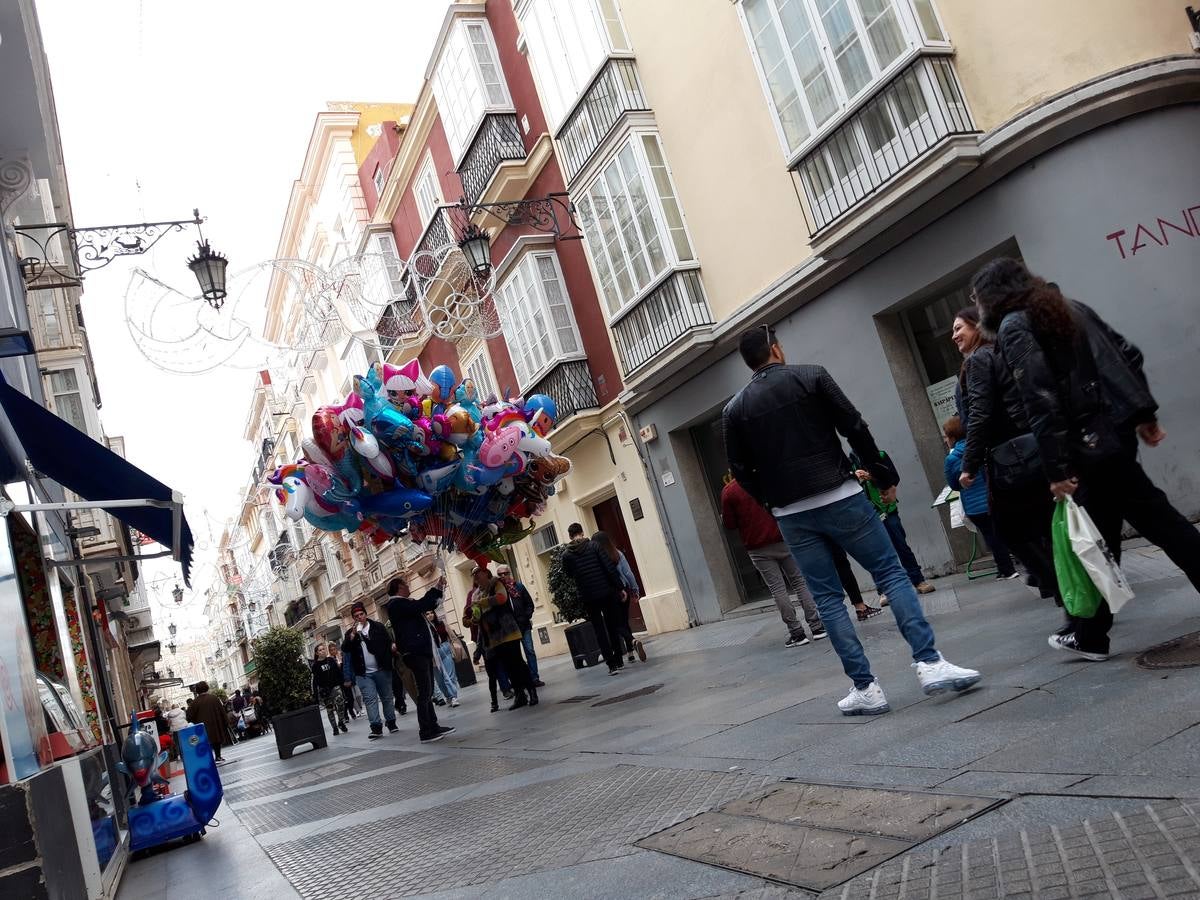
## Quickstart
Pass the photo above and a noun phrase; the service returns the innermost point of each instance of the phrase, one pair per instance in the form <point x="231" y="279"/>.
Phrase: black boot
<point x="533" y="697"/>
<point x="521" y="700"/>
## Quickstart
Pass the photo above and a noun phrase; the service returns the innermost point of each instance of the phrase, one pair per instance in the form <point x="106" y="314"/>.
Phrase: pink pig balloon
<point x="499" y="446"/>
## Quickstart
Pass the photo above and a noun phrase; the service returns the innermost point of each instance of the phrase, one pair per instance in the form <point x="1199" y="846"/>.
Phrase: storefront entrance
<point x="709" y="439"/>
<point x="609" y="519"/>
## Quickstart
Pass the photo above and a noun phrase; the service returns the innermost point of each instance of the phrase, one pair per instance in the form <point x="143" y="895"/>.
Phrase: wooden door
<point x="610" y="520"/>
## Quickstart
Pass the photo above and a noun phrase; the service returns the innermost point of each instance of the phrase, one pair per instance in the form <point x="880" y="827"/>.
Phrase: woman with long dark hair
<point x="1087" y="402"/>
<point x="1015" y="516"/>
<point x="631" y="591"/>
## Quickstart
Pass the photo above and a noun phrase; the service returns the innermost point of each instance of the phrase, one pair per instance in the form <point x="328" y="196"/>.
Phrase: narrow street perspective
<point x="599" y="448"/>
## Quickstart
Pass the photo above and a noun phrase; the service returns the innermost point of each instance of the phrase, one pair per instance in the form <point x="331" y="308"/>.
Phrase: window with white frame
<point x="632" y="222"/>
<point x="468" y="81"/>
<point x="333" y="563"/>
<point x="426" y="191"/>
<point x="539" y="326"/>
<point x="568" y="41"/>
<point x="816" y="57"/>
<point x="384" y="244"/>
<point x="377" y="179"/>
<point x="66" y="397"/>
<point x="478" y="368"/>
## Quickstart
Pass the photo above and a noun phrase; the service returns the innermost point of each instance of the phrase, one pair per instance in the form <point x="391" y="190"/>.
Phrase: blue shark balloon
<point x="140" y="759"/>
<point x="401" y="502"/>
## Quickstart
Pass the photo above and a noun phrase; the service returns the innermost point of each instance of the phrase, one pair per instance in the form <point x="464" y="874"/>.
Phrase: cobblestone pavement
<point x="1096" y="768"/>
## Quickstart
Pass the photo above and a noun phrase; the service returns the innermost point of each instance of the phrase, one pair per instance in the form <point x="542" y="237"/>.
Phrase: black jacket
<point x="1065" y="393"/>
<point x="992" y="407"/>
<point x="596" y="577"/>
<point x="326" y="674"/>
<point x="414" y="635"/>
<point x="522" y="605"/>
<point x="379" y="642"/>
<point x="781" y="435"/>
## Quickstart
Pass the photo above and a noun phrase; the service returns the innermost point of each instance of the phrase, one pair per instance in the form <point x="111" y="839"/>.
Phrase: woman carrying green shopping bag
<point x="1088" y="403"/>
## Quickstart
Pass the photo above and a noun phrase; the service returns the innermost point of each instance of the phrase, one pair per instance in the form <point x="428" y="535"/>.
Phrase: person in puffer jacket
<point x="974" y="498"/>
<point x="600" y="588"/>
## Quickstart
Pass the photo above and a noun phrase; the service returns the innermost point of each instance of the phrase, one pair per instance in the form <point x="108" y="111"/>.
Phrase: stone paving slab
<point x="341" y="767"/>
<point x="554" y="824"/>
<point x="1152" y="853"/>
<point x="380" y="790"/>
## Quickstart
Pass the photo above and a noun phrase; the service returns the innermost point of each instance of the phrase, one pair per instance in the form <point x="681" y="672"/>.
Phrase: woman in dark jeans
<point x="1088" y="402"/>
<point x="996" y="422"/>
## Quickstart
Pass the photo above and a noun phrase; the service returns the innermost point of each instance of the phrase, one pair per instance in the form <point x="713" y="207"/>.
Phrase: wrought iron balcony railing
<point x="498" y="139"/>
<point x="921" y="106"/>
<point x="571" y="387"/>
<point x="615" y="91"/>
<point x="668" y="312"/>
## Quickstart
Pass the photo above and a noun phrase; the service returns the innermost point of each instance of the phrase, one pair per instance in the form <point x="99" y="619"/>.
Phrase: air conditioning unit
<point x="544" y="539"/>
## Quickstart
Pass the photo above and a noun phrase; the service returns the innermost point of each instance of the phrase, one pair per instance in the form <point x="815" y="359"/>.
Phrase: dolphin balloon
<point x="140" y="759"/>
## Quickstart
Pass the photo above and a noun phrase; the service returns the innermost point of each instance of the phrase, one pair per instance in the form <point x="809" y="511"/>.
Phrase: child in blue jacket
<point x="974" y="498"/>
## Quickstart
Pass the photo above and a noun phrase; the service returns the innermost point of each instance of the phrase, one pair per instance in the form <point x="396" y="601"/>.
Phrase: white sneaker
<point x="868" y="701"/>
<point x="942" y="675"/>
<point x="454" y="701"/>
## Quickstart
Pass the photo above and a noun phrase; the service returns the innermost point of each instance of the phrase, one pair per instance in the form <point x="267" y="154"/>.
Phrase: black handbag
<point x="1015" y="464"/>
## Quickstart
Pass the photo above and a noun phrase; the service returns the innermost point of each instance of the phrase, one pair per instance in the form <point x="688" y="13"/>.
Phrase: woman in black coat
<point x="1088" y="402"/>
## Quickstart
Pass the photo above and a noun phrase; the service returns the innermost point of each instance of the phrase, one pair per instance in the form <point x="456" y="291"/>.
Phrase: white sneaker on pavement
<point x="868" y="701"/>
<point x="454" y="701"/>
<point x="942" y="675"/>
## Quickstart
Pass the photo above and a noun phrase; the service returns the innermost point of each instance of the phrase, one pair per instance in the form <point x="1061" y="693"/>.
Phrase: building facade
<point x="842" y="169"/>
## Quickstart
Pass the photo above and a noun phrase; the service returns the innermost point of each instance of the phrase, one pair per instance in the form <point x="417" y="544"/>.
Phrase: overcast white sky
<point x="166" y="105"/>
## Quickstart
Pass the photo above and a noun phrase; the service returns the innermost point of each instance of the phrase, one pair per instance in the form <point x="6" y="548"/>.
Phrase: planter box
<point x="295" y="729"/>
<point x="581" y="643"/>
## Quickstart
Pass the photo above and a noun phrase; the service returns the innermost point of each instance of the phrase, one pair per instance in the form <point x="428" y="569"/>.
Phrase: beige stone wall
<point x="721" y="144"/>
<point x="1012" y="55"/>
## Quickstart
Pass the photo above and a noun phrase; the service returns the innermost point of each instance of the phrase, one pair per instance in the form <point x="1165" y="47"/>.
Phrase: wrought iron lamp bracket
<point x="553" y="214"/>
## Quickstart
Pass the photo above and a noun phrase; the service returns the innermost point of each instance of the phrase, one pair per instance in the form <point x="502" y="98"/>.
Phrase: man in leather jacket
<point x="782" y="439"/>
<point x="368" y="648"/>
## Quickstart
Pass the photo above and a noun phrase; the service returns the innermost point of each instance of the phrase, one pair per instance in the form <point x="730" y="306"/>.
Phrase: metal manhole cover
<point x="1182" y="652"/>
<point x="815" y="836"/>
<point x="620" y="698"/>
<point x="579" y="698"/>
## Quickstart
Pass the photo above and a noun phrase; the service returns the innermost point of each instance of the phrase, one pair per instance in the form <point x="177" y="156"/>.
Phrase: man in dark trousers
<point x="414" y="642"/>
<point x="599" y="587"/>
<point x="368" y="649"/>
<point x="781" y="437"/>
<point x="522" y="607"/>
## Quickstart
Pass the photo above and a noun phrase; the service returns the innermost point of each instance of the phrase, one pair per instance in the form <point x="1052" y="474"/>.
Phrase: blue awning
<point x="64" y="453"/>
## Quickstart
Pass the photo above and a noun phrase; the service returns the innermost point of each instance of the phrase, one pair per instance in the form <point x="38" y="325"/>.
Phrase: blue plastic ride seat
<point x="181" y="815"/>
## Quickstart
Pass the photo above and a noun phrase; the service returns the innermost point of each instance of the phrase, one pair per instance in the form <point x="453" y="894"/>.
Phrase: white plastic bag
<point x="1094" y="554"/>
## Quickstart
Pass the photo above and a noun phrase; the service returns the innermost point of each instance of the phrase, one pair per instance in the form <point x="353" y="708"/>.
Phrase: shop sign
<point x="1159" y="233"/>
<point x="941" y="399"/>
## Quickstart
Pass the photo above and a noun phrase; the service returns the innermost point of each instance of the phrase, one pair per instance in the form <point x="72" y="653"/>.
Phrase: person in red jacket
<point x="760" y="536"/>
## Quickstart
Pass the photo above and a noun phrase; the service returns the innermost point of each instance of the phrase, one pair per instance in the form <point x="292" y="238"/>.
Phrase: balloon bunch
<point x="406" y="453"/>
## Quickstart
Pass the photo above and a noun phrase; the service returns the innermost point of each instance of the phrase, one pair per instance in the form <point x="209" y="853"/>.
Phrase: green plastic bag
<point x="1080" y="596"/>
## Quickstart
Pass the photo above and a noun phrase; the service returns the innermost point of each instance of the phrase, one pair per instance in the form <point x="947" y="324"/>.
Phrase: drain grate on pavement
<point x="549" y="825"/>
<point x="579" y="698"/>
<point x="1181" y="653"/>
<point x="815" y="836"/>
<point x="631" y="695"/>
<point x="277" y="782"/>
<point x="388" y="787"/>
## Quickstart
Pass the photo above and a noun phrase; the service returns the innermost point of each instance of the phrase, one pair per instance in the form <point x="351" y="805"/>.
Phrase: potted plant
<point x="285" y="682"/>
<point x="581" y="637"/>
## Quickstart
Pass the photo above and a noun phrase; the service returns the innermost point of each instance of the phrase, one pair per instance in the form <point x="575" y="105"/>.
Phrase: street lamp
<point x="477" y="248"/>
<point x="172" y="629"/>
<point x="171" y="646"/>
<point x="177" y="594"/>
<point x="209" y="268"/>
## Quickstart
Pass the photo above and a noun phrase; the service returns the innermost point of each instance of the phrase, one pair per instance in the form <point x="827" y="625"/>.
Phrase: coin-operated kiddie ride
<point x="156" y="820"/>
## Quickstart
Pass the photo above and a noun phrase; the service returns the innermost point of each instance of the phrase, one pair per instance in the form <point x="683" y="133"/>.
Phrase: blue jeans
<point x="375" y="687"/>
<point x="895" y="530"/>
<point x="530" y="655"/>
<point x="444" y="675"/>
<point x="854" y="525"/>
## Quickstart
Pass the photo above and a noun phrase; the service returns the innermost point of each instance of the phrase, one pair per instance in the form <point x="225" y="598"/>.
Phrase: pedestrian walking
<point x="974" y="498"/>
<point x="208" y="710"/>
<point x="1088" y="402"/>
<point x="368" y="649"/>
<point x="599" y="587"/>
<point x="176" y="722"/>
<point x="1000" y="444"/>
<point x="415" y="644"/>
<point x="492" y="612"/>
<point x="444" y="673"/>
<point x="630" y="591"/>
<point x="889" y="514"/>
<point x="760" y="536"/>
<point x="522" y="604"/>
<point x="781" y="437"/>
<point x="327" y="686"/>
<point x="348" y="698"/>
